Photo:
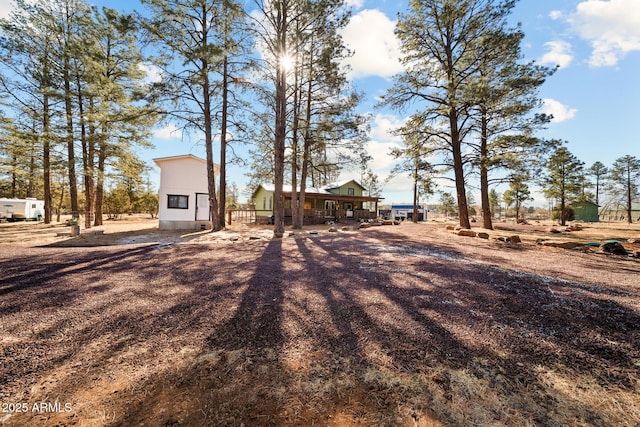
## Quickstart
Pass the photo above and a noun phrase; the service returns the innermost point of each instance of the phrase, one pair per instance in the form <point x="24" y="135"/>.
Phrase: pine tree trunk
<point x="46" y="155"/>
<point x="73" y="182"/>
<point x="280" y="124"/>
<point x="87" y="163"/>
<point x="296" y="206"/>
<point x="458" y="168"/>
<point x="487" y="215"/>
<point x="415" y="196"/>
<point x="208" y="134"/>
<point x="66" y="73"/>
<point x="223" y="144"/>
<point x="629" y="194"/>
<point x="102" y="155"/>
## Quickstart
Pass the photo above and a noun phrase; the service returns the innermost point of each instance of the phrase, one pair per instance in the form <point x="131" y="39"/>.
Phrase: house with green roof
<point x="333" y="202"/>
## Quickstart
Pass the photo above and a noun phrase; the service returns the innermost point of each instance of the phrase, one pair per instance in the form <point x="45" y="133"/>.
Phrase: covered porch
<point x="320" y="208"/>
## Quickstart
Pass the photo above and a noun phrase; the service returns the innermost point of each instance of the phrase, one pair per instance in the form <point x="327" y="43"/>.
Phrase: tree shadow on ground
<point x="331" y="330"/>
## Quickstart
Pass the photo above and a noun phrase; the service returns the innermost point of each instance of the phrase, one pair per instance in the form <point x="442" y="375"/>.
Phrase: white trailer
<point x="21" y="209"/>
<point x="404" y="211"/>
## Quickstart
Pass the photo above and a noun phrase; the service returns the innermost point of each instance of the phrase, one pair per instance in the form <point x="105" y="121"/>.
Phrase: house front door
<point x="202" y="207"/>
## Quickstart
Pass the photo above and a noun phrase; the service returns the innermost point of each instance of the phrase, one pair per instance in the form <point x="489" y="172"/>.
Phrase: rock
<point x="634" y="240"/>
<point x="451" y="227"/>
<point x="614" y="248"/>
<point x="333" y="229"/>
<point x="365" y="225"/>
<point x="504" y="239"/>
<point x="483" y="235"/>
<point x="467" y="233"/>
<point x="554" y="231"/>
<point x="515" y="239"/>
<point x="561" y="244"/>
<point x="637" y="254"/>
<point x="313" y="232"/>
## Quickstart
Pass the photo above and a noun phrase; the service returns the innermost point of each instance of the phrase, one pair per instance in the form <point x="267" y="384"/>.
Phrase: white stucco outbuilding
<point x="184" y="194"/>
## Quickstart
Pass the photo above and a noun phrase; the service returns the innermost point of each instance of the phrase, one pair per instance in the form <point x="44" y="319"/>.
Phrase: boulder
<point x="483" y="235"/>
<point x="333" y="229"/>
<point x="451" y="227"/>
<point x="467" y="233"/>
<point x="614" y="248"/>
<point x="560" y="244"/>
<point x="515" y="239"/>
<point x="365" y="225"/>
<point x="553" y="230"/>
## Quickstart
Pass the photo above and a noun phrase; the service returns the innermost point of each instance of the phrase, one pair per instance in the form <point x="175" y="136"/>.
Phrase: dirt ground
<point x="407" y="325"/>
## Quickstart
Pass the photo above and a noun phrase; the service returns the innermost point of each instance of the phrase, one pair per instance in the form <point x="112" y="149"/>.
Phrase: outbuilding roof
<point x="405" y="206"/>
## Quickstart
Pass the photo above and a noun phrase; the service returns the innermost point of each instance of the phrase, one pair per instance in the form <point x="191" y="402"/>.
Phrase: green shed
<point x="585" y="211"/>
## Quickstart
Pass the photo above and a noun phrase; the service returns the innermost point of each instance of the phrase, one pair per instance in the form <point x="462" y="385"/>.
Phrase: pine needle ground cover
<point x="406" y="325"/>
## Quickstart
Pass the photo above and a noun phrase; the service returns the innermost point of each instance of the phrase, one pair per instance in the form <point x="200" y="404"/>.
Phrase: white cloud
<point x="152" y="72"/>
<point x="170" y="131"/>
<point x="555" y="15"/>
<point x="612" y="27"/>
<point x="370" y="34"/>
<point x="559" y="53"/>
<point x="382" y="127"/>
<point x="382" y="142"/>
<point x="559" y="111"/>
<point x="380" y="152"/>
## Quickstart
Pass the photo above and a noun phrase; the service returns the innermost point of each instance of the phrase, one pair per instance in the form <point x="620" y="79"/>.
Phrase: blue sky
<point x="594" y="96"/>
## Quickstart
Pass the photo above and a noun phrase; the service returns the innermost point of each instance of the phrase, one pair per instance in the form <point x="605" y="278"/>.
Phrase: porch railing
<point x="311" y="216"/>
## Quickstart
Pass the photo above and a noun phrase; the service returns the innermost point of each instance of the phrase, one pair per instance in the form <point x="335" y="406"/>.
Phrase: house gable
<point x="346" y="188"/>
<point x="263" y="198"/>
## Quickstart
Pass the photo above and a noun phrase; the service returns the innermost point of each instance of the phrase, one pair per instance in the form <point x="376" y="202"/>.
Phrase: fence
<point x="311" y="216"/>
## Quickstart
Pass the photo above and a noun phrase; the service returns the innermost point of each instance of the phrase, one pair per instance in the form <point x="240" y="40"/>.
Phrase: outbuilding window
<point x="177" y="201"/>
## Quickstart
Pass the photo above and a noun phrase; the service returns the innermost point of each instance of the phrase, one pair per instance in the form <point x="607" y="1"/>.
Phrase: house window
<point x="264" y="203"/>
<point x="177" y="202"/>
<point x="270" y="203"/>
<point x="351" y="191"/>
